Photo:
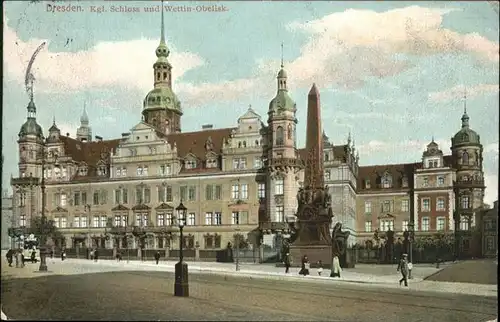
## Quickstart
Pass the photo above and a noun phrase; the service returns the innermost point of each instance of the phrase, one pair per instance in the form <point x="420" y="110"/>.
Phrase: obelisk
<point x="313" y="176"/>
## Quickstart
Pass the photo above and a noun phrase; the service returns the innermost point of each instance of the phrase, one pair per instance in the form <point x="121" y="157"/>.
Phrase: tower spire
<point x="162" y="49"/>
<point x="162" y="38"/>
<point x="282" y="65"/>
<point x="465" y="117"/>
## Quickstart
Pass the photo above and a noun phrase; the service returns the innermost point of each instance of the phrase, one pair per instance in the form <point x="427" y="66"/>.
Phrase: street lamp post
<point x="88" y="208"/>
<point x="43" y="238"/>
<point x="411" y="226"/>
<point x="181" y="287"/>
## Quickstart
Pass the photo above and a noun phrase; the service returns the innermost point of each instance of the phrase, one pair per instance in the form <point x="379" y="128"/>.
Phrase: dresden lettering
<point x="68" y="8"/>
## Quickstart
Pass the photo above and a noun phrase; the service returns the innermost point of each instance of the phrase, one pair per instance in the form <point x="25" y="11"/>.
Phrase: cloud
<point x="491" y="148"/>
<point x="104" y="65"/>
<point x="491" y="192"/>
<point x="347" y="47"/>
<point x="459" y="91"/>
<point x="409" y="146"/>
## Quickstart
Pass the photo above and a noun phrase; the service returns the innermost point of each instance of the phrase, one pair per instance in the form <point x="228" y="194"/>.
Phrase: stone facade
<point x="7" y="219"/>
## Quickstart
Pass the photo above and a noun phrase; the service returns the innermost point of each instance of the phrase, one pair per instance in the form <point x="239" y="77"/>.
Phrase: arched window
<point x="256" y="142"/>
<point x="280" y="136"/>
<point x="290" y="132"/>
<point x="244" y="144"/>
<point x="465" y="158"/>
<point x="326" y="157"/>
<point x="239" y="144"/>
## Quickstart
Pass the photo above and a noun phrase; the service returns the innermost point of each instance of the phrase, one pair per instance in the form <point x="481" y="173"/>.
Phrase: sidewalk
<point x="275" y="273"/>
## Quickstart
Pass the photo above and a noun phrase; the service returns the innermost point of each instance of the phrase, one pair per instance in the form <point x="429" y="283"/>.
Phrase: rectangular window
<point x="192" y="193"/>
<point x="261" y="190"/>
<point x="368" y="226"/>
<point x="368" y="207"/>
<point x="236" y="163"/>
<point x="426" y="204"/>
<point x="84" y="198"/>
<point x="147" y="195"/>
<point x="490" y="243"/>
<point x="84" y="222"/>
<point x="405" y="205"/>
<point x="465" y="202"/>
<point x="404" y="225"/>
<point x="464" y="223"/>
<point x="440" y="205"/>
<point x="164" y="170"/>
<point x="440" y="223"/>
<point x="257" y="162"/>
<point x="144" y="220"/>
<point x="208" y="218"/>
<point x="124" y="172"/>
<point x="161" y="194"/>
<point x="209" y="192"/>
<point x="56" y="222"/>
<point x="235" y="191"/>
<point x="440" y="181"/>
<point x="190" y="164"/>
<point x="138" y="196"/>
<point x="235" y="218"/>
<point x="426" y="224"/>
<point x="218" y="192"/>
<point x="96" y="198"/>
<point x="76" y="199"/>
<point x="191" y="219"/>
<point x="327" y="174"/>
<point x="124" y="220"/>
<point x="426" y="182"/>
<point x="160" y="220"/>
<point x="63" y="200"/>
<point x="386" y="183"/>
<point x="386" y="225"/>
<point x="104" y="220"/>
<point x="118" y="196"/>
<point x="279" y="185"/>
<point x="367" y="184"/>
<point x="244" y="191"/>
<point x="138" y="220"/>
<point x="95" y="223"/>
<point x="22" y="221"/>
<point x="280" y="214"/>
<point x="76" y="222"/>
<point x="168" y="194"/>
<point x="169" y="219"/>
<point x="386" y="206"/>
<point x="145" y="171"/>
<point x="118" y="172"/>
<point x="118" y="220"/>
<point x="139" y="171"/>
<point x="217" y="219"/>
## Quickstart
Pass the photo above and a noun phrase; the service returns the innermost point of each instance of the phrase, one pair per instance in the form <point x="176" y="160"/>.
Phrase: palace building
<point x="242" y="179"/>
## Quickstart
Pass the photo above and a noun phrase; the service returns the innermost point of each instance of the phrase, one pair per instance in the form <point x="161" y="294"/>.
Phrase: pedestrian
<point x="33" y="256"/>
<point x="51" y="254"/>
<point x="336" y="269"/>
<point x="96" y="255"/>
<point x="9" y="256"/>
<point x="288" y="262"/>
<point x="157" y="257"/>
<point x="92" y="254"/>
<point x="320" y="267"/>
<point x="118" y="256"/>
<point x="63" y="254"/>
<point x="304" y="270"/>
<point x="403" y="267"/>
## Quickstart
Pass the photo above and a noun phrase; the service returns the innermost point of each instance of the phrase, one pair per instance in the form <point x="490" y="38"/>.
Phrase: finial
<point x="432" y="138"/>
<point x="249" y="106"/>
<point x="282" y="65"/>
<point x="353" y="145"/>
<point x="54" y="120"/>
<point x="349" y="138"/>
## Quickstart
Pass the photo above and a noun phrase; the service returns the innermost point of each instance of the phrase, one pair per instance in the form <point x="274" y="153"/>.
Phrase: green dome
<point x="466" y="135"/>
<point x="162" y="97"/>
<point x="282" y="102"/>
<point x="31" y="127"/>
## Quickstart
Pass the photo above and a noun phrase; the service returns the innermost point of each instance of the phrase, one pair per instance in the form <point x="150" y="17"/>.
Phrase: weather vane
<point x="29" y="78"/>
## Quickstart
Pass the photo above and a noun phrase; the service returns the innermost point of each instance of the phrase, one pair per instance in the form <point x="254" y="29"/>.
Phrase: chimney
<point x="207" y="127"/>
<point x="98" y="138"/>
<point x="124" y="135"/>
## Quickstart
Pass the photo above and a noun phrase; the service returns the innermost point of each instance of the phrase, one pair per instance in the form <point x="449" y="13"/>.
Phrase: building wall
<point x="7" y="219"/>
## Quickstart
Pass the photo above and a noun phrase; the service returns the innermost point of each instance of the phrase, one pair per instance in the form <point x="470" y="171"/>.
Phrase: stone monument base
<point x="314" y="253"/>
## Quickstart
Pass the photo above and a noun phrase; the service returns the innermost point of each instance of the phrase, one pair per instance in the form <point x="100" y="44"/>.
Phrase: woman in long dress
<point x="336" y="269"/>
<point x="304" y="270"/>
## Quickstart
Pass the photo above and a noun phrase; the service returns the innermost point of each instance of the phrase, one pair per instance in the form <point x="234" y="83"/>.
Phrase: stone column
<point x="155" y="241"/>
<point x="167" y="252"/>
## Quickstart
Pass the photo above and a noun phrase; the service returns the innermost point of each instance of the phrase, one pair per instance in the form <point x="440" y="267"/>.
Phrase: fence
<point x="216" y="255"/>
<point x="429" y="254"/>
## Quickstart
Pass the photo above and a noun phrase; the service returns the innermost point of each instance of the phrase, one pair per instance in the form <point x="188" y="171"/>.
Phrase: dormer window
<point x="404" y="182"/>
<point x="426" y="182"/>
<point x="82" y="171"/>
<point x="142" y="171"/>
<point x="190" y="164"/>
<point x="367" y="184"/>
<point x="432" y="163"/>
<point x="211" y="163"/>
<point x="326" y="157"/>
<point x="102" y="170"/>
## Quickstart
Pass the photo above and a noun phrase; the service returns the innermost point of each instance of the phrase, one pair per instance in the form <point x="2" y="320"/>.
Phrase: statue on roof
<point x="209" y="144"/>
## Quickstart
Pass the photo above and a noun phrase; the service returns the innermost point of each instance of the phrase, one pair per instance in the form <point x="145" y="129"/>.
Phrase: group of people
<point x="404" y="267"/>
<point x="306" y="266"/>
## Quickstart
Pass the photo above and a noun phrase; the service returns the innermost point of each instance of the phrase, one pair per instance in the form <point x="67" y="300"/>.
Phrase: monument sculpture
<point x="311" y="231"/>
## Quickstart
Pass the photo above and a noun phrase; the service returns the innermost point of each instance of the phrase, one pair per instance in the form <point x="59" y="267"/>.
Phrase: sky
<point x="393" y="74"/>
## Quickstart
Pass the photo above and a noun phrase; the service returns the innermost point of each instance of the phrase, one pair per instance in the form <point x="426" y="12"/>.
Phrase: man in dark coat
<point x="9" y="255"/>
<point x="403" y="267"/>
<point x="288" y="262"/>
<point x="157" y="257"/>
